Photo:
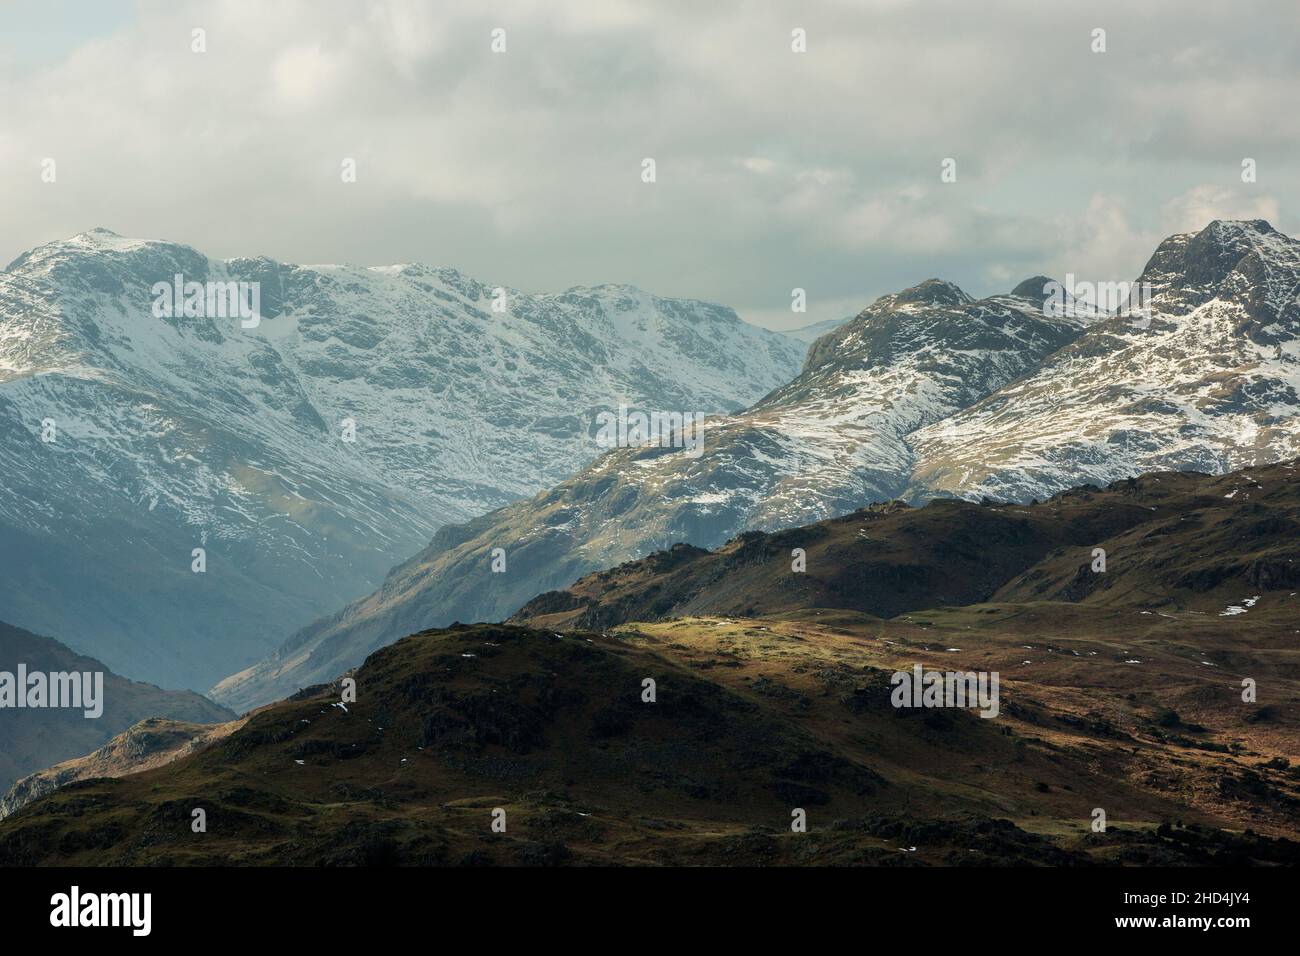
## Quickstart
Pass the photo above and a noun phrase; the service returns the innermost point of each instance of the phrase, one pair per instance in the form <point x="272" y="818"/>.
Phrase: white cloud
<point x="303" y="75"/>
<point x="1208" y="201"/>
<point x="1102" y="244"/>
<point x="775" y="169"/>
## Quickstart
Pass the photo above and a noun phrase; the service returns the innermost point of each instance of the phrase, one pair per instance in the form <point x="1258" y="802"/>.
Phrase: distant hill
<point x="150" y="743"/>
<point x="1172" y="540"/>
<point x="831" y="440"/>
<point x="34" y="739"/>
<point x="811" y="333"/>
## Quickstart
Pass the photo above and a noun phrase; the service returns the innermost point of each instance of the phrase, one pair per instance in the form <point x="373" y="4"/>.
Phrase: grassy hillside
<point x="753" y="719"/>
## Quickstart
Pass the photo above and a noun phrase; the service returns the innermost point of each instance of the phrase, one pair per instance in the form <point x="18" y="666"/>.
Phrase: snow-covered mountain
<point x="832" y="439"/>
<point x="129" y="440"/>
<point x="1208" y="379"/>
<point x="926" y="393"/>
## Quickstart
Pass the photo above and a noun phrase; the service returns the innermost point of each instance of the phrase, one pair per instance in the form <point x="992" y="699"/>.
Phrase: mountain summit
<point x="1208" y="379"/>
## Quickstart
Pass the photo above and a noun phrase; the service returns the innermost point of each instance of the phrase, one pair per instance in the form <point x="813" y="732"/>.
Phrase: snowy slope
<point x="177" y="433"/>
<point x="1209" y="381"/>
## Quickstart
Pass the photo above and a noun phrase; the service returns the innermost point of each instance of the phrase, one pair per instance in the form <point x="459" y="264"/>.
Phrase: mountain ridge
<point x="179" y="432"/>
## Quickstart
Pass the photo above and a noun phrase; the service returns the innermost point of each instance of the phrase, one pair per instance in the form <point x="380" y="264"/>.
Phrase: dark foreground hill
<point x="1171" y="541"/>
<point x="751" y="721"/>
<point x="33" y="739"/>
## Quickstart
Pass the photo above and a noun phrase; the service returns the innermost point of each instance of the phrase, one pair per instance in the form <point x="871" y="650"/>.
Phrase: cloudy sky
<point x="775" y="169"/>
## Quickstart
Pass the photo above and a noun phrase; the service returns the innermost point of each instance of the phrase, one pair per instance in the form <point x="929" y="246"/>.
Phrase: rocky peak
<point x="1202" y="260"/>
<point x="1214" y="252"/>
<point x="1034" y="288"/>
<point x="933" y="292"/>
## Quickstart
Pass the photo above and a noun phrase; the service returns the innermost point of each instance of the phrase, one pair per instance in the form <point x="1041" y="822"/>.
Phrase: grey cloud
<point x="776" y="170"/>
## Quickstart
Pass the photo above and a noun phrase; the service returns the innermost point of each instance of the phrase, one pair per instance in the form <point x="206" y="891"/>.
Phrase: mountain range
<point x="926" y="393"/>
<point x="1208" y="378"/>
<point x="681" y="709"/>
<point x="304" y="454"/>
